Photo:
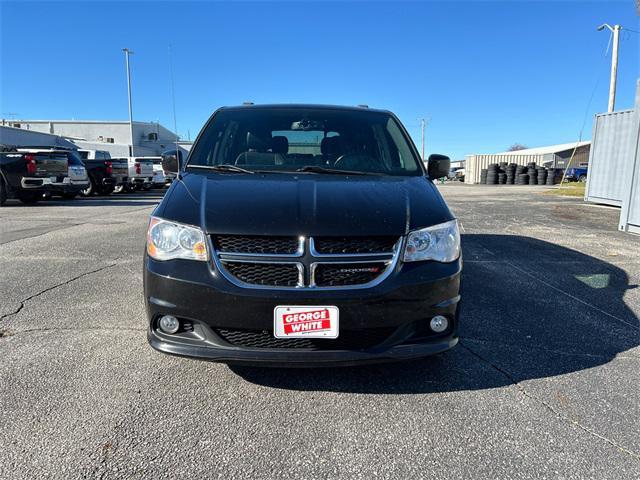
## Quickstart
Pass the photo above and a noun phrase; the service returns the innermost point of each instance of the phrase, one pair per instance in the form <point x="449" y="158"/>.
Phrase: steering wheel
<point x="339" y="160"/>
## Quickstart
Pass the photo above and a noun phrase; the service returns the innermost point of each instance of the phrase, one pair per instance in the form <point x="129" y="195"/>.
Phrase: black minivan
<point x="303" y="235"/>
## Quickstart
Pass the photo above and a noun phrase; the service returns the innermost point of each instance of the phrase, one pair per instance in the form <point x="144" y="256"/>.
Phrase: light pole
<point x="422" y="122"/>
<point x="128" y="52"/>
<point x="614" y="63"/>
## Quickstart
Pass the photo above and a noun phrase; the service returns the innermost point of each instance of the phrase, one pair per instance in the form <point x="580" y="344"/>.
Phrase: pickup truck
<point x="105" y="173"/>
<point x="577" y="174"/>
<point x="140" y="173"/>
<point x="30" y="173"/>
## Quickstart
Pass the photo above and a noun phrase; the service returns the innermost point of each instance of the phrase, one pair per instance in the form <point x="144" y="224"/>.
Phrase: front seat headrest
<point x="331" y="146"/>
<point x="280" y="144"/>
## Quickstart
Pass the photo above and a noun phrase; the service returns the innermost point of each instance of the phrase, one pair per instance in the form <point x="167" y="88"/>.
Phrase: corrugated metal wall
<point x="475" y="163"/>
<point x="610" y="158"/>
<point x="630" y="214"/>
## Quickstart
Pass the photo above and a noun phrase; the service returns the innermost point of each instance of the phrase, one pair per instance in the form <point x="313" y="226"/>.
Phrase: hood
<point x="305" y="204"/>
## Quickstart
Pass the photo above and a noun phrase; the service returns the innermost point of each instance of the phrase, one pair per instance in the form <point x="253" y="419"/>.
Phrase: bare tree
<point x="517" y="146"/>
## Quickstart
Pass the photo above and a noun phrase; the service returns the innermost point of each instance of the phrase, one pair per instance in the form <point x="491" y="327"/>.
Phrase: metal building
<point x="149" y="138"/>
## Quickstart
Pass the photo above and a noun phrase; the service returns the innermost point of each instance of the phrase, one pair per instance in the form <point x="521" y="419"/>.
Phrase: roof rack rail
<point x="362" y="105"/>
<point x="248" y="103"/>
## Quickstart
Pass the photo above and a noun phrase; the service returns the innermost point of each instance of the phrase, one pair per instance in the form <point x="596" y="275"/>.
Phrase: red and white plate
<point x="291" y="321"/>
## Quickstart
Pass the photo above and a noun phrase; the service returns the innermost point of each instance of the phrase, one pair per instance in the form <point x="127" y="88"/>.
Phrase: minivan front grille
<point x="342" y="274"/>
<point x="354" y="245"/>
<point x="299" y="262"/>
<point x="256" y="244"/>
<point x="265" y="274"/>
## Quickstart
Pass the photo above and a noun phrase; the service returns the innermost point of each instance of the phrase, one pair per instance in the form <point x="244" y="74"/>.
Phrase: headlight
<point x="440" y="243"/>
<point x="168" y="240"/>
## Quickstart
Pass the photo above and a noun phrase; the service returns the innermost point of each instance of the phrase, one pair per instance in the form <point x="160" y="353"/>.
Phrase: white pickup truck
<point x="140" y="173"/>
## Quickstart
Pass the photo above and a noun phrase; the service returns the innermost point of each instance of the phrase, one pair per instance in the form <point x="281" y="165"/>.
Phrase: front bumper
<point x="140" y="180"/>
<point x="402" y="304"/>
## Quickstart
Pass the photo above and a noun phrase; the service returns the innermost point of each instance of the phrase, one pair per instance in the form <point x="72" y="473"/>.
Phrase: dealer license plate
<point x="291" y="321"/>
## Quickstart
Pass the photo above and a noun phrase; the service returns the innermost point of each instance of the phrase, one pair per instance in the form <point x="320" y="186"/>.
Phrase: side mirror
<point x="438" y="166"/>
<point x="170" y="163"/>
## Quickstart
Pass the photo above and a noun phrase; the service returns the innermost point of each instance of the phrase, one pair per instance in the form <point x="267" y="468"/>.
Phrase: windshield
<point x="288" y="139"/>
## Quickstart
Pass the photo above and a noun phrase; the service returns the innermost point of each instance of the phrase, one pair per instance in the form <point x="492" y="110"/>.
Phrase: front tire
<point x="582" y="178"/>
<point x="90" y="190"/>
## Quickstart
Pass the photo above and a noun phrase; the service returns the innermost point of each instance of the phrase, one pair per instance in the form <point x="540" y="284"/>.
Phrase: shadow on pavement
<point x="115" y="200"/>
<point x="531" y="309"/>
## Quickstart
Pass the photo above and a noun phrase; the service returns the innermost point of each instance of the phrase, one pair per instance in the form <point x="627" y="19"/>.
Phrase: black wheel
<point x="70" y="195"/>
<point x="3" y="192"/>
<point x="582" y="178"/>
<point x="29" y="198"/>
<point x="90" y="190"/>
<point x="147" y="186"/>
<point x="136" y="187"/>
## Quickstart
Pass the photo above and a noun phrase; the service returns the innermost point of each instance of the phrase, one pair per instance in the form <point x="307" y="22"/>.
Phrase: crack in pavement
<point x="545" y="404"/>
<point x="48" y="289"/>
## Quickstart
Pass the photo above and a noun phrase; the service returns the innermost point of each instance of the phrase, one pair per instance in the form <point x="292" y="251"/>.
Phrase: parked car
<point x="577" y="174"/>
<point x="456" y="174"/>
<point x="30" y="173"/>
<point x="105" y="173"/>
<point x="303" y="235"/>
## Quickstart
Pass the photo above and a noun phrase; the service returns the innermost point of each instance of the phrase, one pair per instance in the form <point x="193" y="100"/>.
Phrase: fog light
<point x="439" y="323"/>
<point x="169" y="324"/>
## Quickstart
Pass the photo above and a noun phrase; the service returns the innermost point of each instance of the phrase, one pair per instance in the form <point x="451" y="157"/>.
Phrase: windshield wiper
<point x="336" y="171"/>
<point x="223" y="168"/>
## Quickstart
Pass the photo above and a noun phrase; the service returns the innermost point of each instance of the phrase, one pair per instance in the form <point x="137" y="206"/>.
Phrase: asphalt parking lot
<point x="544" y="384"/>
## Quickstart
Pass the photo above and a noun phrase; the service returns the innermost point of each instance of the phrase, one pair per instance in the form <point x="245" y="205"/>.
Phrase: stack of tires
<point x="510" y="172"/>
<point x="492" y="174"/>
<point x="551" y="176"/>
<point x="542" y="176"/>
<point x="533" y="173"/>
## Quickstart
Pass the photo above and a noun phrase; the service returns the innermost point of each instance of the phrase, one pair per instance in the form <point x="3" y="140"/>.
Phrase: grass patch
<point x="573" y="189"/>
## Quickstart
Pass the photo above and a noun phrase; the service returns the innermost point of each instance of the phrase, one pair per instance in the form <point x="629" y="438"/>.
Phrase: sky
<point x="485" y="75"/>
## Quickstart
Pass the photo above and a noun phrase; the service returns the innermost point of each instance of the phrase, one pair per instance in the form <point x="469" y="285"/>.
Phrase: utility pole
<point x="128" y="52"/>
<point x="615" y="30"/>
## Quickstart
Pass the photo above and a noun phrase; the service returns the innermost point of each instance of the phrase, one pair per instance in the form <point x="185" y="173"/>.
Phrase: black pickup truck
<point x="29" y="173"/>
<point x="105" y="173"/>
